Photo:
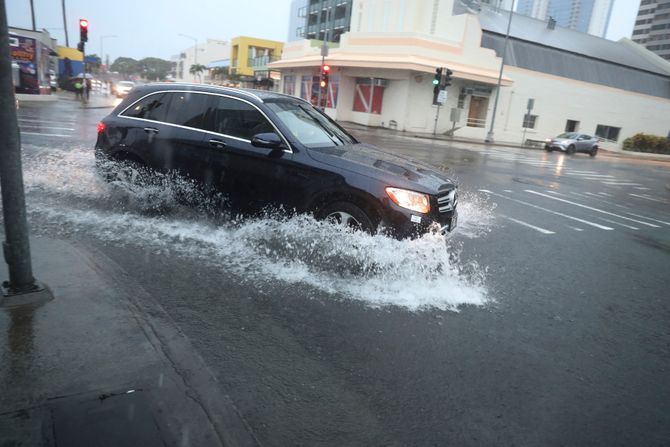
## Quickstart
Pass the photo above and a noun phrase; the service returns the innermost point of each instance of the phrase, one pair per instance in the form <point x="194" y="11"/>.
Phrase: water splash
<point x="66" y="195"/>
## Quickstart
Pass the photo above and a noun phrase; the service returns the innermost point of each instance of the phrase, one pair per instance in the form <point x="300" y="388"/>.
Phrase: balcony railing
<point x="261" y="61"/>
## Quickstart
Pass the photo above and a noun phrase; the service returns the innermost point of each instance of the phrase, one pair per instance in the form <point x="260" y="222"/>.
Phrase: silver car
<point x="571" y="142"/>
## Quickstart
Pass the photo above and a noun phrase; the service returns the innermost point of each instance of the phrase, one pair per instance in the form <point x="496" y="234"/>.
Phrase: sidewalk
<point x="102" y="364"/>
<point x="440" y="137"/>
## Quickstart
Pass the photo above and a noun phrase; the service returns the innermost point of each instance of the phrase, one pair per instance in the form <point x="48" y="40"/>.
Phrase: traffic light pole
<point x="437" y="115"/>
<point x="16" y="246"/>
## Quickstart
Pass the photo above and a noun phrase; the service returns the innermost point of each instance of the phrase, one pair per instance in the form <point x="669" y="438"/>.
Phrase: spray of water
<point x="68" y="195"/>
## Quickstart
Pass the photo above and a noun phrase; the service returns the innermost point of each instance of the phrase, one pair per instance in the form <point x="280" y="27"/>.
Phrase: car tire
<point x="571" y="149"/>
<point x="548" y="148"/>
<point x="349" y="215"/>
<point x="594" y="152"/>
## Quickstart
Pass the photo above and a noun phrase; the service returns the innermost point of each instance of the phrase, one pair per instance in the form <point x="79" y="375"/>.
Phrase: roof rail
<point x="220" y="87"/>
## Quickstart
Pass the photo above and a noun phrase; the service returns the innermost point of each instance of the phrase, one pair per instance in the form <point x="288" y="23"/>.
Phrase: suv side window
<point x="153" y="107"/>
<point x="189" y="109"/>
<point x="238" y="119"/>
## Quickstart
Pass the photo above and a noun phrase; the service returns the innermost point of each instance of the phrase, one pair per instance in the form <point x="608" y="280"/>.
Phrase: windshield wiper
<point x="330" y="134"/>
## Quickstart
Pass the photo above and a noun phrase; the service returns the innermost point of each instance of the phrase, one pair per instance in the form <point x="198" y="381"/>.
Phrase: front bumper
<point x="403" y="223"/>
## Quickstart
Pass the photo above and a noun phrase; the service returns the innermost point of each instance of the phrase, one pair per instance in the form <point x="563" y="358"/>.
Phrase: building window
<point x="333" y="89"/>
<point x="572" y="126"/>
<point x="461" y="99"/>
<point x="529" y="121"/>
<point x="309" y="89"/>
<point x="302" y="12"/>
<point x="289" y="85"/>
<point x="369" y="95"/>
<point x="608" y="132"/>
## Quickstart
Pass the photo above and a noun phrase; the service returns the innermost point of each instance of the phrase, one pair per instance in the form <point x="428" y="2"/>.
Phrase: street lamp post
<point x="195" y="52"/>
<point x="102" y="51"/>
<point x="489" y="135"/>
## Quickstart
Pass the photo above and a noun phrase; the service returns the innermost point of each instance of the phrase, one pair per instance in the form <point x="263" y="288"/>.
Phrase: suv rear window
<point x="153" y="107"/>
<point x="188" y="109"/>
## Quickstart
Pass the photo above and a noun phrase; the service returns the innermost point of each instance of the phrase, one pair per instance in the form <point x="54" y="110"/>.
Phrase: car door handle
<point x="150" y="130"/>
<point x="217" y="143"/>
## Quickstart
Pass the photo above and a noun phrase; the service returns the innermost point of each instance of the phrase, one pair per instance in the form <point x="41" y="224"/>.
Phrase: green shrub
<point x="647" y="143"/>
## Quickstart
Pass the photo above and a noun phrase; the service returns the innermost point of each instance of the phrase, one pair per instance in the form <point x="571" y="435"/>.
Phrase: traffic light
<point x="83" y="30"/>
<point x="447" y="78"/>
<point x="80" y="46"/>
<point x="325" y="71"/>
<point x="437" y="80"/>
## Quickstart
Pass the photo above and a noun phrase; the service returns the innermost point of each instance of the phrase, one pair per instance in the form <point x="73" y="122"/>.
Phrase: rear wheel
<point x="571" y="149"/>
<point x="594" y="151"/>
<point x="347" y="215"/>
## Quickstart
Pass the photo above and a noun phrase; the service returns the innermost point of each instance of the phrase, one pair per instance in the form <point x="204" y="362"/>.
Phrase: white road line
<point x="648" y="198"/>
<point x="526" y="224"/>
<point x="650" y="218"/>
<point x="591" y="175"/>
<point x="618" y="223"/>
<point x="45" y="134"/>
<point x="590" y="208"/>
<point x="598" y="198"/>
<point x="576" y="228"/>
<point x="576" y="219"/>
<point x="605" y="194"/>
<point x="567" y="171"/>
<point x="40" y="120"/>
<point x="507" y="190"/>
<point x="39" y="126"/>
<point x="620" y="183"/>
<point x="642" y="188"/>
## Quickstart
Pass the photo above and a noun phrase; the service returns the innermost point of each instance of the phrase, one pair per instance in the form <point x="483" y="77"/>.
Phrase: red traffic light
<point x="325" y="68"/>
<point x="83" y="23"/>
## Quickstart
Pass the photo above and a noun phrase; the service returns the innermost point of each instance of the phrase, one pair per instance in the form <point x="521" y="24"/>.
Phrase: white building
<point x="382" y="75"/>
<point x="203" y="54"/>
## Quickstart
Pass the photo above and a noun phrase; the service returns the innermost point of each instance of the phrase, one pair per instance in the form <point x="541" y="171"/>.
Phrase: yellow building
<point x="249" y="55"/>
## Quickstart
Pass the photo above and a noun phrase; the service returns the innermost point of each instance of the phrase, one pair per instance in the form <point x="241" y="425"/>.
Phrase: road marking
<point x="642" y="188"/>
<point x="618" y="223"/>
<point x="526" y="224"/>
<point x="576" y="219"/>
<point x="648" y="198"/>
<point x="591" y="175"/>
<point x="605" y="194"/>
<point x="507" y="190"/>
<point x="39" y="120"/>
<point x="45" y="134"/>
<point x="591" y="208"/>
<point x="39" y="126"/>
<point x="576" y="228"/>
<point x="598" y="198"/>
<point x="649" y="218"/>
<point x="620" y="183"/>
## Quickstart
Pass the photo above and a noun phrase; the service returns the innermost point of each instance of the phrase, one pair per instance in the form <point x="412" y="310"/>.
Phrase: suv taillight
<point x="101" y="127"/>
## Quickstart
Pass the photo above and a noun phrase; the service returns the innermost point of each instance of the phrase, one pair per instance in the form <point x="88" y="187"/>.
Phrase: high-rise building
<point x="652" y="27"/>
<point x="587" y="16"/>
<point x="320" y="19"/>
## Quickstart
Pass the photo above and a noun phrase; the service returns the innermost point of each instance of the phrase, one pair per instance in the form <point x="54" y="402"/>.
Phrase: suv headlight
<point x="411" y="200"/>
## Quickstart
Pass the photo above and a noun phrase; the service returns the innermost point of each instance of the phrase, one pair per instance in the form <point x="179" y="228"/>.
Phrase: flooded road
<point x="541" y="321"/>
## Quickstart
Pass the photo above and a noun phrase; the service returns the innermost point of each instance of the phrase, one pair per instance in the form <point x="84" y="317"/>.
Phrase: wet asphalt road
<point x="569" y="254"/>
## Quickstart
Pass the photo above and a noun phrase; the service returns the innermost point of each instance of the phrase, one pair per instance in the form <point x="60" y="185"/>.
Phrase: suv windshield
<point x="568" y="135"/>
<point x="309" y="126"/>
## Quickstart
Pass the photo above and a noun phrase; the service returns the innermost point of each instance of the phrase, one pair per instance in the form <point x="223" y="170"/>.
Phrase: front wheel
<point x="571" y="149"/>
<point x="548" y="148"/>
<point x="347" y="215"/>
<point x="593" y="152"/>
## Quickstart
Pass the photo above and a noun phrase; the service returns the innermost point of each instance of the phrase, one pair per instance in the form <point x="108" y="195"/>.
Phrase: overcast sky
<point x="151" y="27"/>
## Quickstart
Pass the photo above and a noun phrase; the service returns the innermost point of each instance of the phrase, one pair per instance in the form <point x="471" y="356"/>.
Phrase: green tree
<point x="125" y="65"/>
<point x="154" y="68"/>
<point x="197" y="69"/>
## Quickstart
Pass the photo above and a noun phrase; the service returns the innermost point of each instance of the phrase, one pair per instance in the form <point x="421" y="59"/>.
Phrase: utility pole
<point x="324" y="54"/>
<point x="67" y="41"/>
<point x="21" y="285"/>
<point x="489" y="135"/>
<point x="32" y="14"/>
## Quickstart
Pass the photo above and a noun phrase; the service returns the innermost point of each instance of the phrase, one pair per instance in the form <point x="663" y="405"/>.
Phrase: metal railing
<point x="261" y="61"/>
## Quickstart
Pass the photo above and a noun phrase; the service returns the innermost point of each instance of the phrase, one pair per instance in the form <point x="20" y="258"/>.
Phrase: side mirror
<point x="269" y="140"/>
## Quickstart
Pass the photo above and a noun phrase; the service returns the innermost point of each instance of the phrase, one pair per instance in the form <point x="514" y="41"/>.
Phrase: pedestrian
<point x="88" y="89"/>
<point x="78" y="89"/>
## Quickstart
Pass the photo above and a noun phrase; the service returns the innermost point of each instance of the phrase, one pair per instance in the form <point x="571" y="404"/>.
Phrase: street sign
<point x="442" y="97"/>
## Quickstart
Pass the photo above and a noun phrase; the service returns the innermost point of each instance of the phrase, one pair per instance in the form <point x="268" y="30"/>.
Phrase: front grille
<point x="448" y="201"/>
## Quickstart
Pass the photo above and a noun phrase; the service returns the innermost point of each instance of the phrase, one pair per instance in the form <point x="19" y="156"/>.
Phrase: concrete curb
<point x="23" y="97"/>
<point x="163" y="333"/>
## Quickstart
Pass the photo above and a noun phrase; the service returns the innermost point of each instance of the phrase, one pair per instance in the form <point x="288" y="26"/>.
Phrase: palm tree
<point x="196" y="70"/>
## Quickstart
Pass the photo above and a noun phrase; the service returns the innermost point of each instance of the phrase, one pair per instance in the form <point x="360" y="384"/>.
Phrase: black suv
<point x="267" y="149"/>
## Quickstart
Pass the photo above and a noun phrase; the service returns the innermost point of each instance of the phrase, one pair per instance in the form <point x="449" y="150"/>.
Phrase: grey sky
<point x="151" y="27"/>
